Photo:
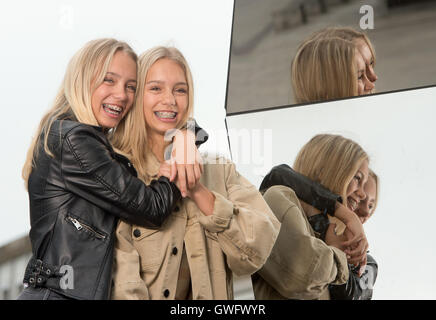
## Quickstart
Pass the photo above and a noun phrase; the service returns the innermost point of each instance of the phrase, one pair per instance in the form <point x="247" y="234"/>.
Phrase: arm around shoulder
<point x="90" y="170"/>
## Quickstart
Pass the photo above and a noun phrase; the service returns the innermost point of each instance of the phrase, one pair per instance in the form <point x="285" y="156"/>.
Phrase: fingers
<point x="173" y="171"/>
<point x="181" y="178"/>
<point x="356" y="255"/>
<point x="197" y="173"/>
<point x="190" y="176"/>
<point x="362" y="266"/>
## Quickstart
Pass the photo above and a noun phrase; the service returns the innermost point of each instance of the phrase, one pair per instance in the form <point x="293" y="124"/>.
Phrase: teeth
<point x="166" y="115"/>
<point x="352" y="203"/>
<point x="112" y="108"/>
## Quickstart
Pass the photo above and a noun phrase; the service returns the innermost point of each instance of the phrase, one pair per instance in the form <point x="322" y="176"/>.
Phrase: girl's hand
<point x="356" y="243"/>
<point x="165" y="170"/>
<point x="332" y="239"/>
<point x="186" y="162"/>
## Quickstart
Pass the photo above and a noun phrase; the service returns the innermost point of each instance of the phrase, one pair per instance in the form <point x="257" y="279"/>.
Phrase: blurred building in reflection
<point x="13" y="260"/>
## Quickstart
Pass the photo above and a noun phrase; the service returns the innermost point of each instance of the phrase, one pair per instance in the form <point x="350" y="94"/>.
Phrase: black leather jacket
<point x="313" y="193"/>
<point x="75" y="200"/>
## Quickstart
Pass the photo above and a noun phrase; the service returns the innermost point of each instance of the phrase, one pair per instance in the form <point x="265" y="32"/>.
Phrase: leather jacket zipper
<point x="80" y="225"/>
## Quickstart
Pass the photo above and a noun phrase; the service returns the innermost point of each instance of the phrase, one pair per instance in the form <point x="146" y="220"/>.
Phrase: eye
<point x="131" y="88"/>
<point x="154" y="88"/>
<point x="108" y="80"/>
<point x="181" y="91"/>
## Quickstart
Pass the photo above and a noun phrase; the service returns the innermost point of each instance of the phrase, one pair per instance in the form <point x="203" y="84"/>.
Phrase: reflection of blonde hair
<point x="377" y="181"/>
<point x="130" y="138"/>
<point x="346" y="33"/>
<point x="324" y="69"/>
<point x="85" y="72"/>
<point x="331" y="160"/>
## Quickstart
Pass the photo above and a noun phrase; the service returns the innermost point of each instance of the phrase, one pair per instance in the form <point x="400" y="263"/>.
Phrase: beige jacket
<point x="300" y="266"/>
<point x="237" y="238"/>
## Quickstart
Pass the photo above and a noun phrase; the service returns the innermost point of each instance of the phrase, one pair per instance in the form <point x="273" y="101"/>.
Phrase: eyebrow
<point x="118" y="76"/>
<point x="160" y="82"/>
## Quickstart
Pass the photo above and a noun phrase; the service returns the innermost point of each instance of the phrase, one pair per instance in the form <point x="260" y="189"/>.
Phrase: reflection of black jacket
<point x="307" y="190"/>
<point x="357" y="288"/>
<point x="75" y="200"/>
<point x="321" y="198"/>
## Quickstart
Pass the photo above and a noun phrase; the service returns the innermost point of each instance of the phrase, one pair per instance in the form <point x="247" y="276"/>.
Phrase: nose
<point x="169" y="98"/>
<point x="371" y="74"/>
<point x="361" y="193"/>
<point x="120" y="93"/>
<point x="369" y="85"/>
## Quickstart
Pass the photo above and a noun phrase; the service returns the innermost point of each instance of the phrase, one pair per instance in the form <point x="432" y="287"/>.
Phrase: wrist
<point x="203" y="198"/>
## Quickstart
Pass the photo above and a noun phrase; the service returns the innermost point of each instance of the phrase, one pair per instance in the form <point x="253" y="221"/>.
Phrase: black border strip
<point x="230" y="58"/>
<point x="324" y="101"/>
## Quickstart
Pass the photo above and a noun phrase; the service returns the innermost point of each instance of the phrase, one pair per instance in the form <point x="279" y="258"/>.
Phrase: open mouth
<point x="112" y="109"/>
<point x="166" y="115"/>
<point x="352" y="204"/>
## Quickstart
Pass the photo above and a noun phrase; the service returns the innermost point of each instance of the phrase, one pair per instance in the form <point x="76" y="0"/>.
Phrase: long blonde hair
<point x="324" y="69"/>
<point x="130" y="137"/>
<point x="331" y="160"/>
<point x="346" y="33"/>
<point x="85" y="72"/>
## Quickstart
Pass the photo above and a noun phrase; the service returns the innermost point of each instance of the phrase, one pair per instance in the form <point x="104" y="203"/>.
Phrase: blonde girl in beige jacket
<point x="222" y="227"/>
<point x="301" y="266"/>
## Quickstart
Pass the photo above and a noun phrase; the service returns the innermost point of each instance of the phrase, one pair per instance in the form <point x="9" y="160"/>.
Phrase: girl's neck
<point x="158" y="145"/>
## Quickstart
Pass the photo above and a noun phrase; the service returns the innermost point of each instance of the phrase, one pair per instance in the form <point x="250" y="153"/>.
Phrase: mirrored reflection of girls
<point x="302" y="263"/>
<point x="328" y="68"/>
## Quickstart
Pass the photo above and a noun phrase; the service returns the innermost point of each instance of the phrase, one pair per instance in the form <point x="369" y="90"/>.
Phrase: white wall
<point x="398" y="132"/>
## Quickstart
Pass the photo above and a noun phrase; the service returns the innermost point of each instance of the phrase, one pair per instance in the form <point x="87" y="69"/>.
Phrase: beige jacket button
<point x="137" y="233"/>
<point x="175" y="250"/>
<point x="244" y="257"/>
<point x="235" y="210"/>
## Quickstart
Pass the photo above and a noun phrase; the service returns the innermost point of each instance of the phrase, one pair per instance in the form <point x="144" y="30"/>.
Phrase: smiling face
<point x="367" y="206"/>
<point x="355" y="191"/>
<point x="364" y="86"/>
<point x="366" y="53"/>
<point x="165" y="97"/>
<point x="113" y="98"/>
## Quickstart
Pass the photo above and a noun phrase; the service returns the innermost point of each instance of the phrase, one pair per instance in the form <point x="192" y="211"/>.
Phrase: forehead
<point x="123" y="64"/>
<point x="363" y="48"/>
<point x="364" y="168"/>
<point x="360" y="62"/>
<point x="166" y="69"/>
<point x="370" y="188"/>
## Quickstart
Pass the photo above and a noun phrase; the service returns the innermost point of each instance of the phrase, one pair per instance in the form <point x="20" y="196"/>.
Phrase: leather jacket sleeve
<point x="307" y="190"/>
<point x="90" y="171"/>
<point x="357" y="288"/>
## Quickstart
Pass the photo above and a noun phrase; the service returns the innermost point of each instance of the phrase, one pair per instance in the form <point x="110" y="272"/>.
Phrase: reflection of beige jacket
<point x="193" y="255"/>
<point x="300" y="266"/>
